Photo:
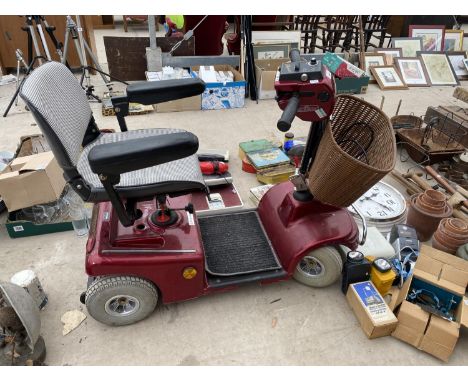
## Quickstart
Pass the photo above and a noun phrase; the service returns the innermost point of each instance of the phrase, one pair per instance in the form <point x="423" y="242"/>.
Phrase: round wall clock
<point x="382" y="206"/>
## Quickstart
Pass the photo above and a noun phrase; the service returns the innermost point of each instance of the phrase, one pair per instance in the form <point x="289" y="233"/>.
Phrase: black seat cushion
<point x="171" y="177"/>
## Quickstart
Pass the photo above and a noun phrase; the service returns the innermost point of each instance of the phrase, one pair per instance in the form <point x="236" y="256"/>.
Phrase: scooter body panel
<point x="296" y="228"/>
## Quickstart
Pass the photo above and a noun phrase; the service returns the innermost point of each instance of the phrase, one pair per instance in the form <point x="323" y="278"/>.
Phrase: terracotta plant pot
<point x="439" y="246"/>
<point x="458" y="226"/>
<point x="444" y="244"/>
<point x="435" y="195"/>
<point x="424" y="220"/>
<point x="428" y="206"/>
<point x="436" y="203"/>
<point x="452" y="233"/>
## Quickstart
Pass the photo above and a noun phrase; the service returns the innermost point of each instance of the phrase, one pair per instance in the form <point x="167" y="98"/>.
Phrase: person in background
<point x="174" y="25"/>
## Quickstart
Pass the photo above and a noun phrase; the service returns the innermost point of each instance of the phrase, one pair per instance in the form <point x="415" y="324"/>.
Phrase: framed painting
<point x="387" y="77"/>
<point x="457" y="61"/>
<point x="453" y="40"/>
<point x="390" y="54"/>
<point x="432" y="36"/>
<point x="438" y="68"/>
<point x="412" y="71"/>
<point x="408" y="45"/>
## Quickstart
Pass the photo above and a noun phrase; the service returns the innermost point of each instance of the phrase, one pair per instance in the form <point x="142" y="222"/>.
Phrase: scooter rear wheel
<point x="319" y="268"/>
<point x="120" y="300"/>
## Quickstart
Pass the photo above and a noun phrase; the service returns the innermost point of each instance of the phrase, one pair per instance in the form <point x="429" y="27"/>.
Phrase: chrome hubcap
<point x="310" y="267"/>
<point x="122" y="305"/>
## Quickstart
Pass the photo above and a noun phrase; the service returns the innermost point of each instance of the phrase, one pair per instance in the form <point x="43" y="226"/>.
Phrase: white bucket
<point x="28" y="280"/>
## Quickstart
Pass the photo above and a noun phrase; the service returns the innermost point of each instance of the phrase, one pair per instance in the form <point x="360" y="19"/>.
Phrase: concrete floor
<point x="281" y="324"/>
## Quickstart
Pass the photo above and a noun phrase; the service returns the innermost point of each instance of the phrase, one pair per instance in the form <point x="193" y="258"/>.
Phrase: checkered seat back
<point x="60" y="108"/>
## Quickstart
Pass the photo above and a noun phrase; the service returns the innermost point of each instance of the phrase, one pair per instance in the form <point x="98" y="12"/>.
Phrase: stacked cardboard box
<point x="349" y="78"/>
<point x="428" y="331"/>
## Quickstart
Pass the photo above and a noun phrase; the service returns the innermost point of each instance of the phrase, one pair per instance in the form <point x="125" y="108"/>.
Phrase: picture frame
<point x="412" y="71"/>
<point x="453" y="40"/>
<point x="372" y="59"/>
<point x="388" y="77"/>
<point x="465" y="61"/>
<point x="409" y="45"/>
<point x="457" y="61"/>
<point x="390" y="54"/>
<point x="432" y="35"/>
<point x="270" y="51"/>
<point x="439" y="69"/>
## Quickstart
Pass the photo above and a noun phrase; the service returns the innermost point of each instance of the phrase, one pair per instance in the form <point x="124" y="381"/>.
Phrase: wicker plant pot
<point x="357" y="150"/>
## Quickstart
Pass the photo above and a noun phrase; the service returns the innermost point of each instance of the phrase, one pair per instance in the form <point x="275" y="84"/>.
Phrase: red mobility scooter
<point x="146" y="242"/>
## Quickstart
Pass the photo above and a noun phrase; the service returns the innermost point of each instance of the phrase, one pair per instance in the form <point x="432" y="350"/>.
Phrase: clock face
<point x="381" y="203"/>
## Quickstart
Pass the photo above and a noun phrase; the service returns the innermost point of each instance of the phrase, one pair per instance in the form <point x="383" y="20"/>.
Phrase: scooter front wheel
<point x="319" y="268"/>
<point x="120" y="300"/>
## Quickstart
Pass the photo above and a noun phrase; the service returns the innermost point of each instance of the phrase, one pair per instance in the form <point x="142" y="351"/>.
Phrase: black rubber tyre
<point x="121" y="300"/>
<point x="319" y="268"/>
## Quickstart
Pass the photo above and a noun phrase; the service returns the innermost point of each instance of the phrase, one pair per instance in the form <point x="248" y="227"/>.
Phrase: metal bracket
<point x="299" y="182"/>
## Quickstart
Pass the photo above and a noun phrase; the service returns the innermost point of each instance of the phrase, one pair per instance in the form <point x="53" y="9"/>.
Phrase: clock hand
<point x="385" y="206"/>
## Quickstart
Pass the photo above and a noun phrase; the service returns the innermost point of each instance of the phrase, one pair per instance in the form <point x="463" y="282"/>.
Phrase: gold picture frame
<point x="453" y="40"/>
<point x="388" y="77"/>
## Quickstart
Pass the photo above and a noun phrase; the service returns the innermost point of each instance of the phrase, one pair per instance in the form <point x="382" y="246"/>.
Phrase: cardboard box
<point x="427" y="331"/>
<point x="374" y="315"/>
<point x="349" y="79"/>
<point x="352" y="85"/>
<point x="183" y="104"/>
<point x="22" y="228"/>
<point x="30" y="180"/>
<point x="266" y="73"/>
<point x="218" y="95"/>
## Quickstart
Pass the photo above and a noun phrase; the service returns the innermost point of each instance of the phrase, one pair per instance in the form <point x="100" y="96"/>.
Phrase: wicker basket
<point x="406" y="122"/>
<point x="357" y="150"/>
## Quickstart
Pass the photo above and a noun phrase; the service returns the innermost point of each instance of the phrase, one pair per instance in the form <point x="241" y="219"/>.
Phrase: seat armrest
<point x="153" y="92"/>
<point x="120" y="157"/>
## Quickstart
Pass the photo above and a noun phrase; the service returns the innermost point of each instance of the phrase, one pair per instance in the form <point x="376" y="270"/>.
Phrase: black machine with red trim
<point x="306" y="90"/>
<point x="310" y="85"/>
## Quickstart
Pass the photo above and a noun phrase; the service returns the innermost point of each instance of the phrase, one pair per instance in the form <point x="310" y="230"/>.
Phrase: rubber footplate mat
<point x="236" y="244"/>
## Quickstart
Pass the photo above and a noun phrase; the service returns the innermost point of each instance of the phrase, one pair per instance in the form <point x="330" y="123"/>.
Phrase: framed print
<point x="409" y="45"/>
<point x="432" y="35"/>
<point x="387" y="77"/>
<point x="438" y="68"/>
<point x="372" y="59"/>
<point x="458" y="66"/>
<point x="390" y="54"/>
<point x="270" y="51"/>
<point x="465" y="61"/>
<point x="453" y="40"/>
<point x="412" y="71"/>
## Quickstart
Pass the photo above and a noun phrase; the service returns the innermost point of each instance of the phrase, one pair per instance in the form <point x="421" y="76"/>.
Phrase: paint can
<point x="28" y="280"/>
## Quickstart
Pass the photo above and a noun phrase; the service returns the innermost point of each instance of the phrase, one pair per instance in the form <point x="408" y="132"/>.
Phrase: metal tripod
<point x="76" y="32"/>
<point x="33" y="44"/>
<point x="18" y="84"/>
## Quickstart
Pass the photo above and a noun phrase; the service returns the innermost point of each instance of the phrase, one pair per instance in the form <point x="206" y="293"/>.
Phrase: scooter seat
<point x="172" y="177"/>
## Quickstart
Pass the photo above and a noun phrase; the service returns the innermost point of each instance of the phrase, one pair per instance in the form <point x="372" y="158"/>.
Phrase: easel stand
<point x="18" y="86"/>
<point x="76" y="32"/>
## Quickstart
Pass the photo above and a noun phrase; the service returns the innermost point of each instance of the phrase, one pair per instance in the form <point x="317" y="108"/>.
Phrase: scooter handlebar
<point x="289" y="112"/>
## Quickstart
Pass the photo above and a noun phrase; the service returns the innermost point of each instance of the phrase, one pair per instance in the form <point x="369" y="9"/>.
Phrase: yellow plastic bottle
<point x="382" y="275"/>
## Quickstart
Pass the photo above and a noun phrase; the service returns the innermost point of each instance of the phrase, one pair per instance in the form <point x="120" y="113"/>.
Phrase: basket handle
<point x="364" y="224"/>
